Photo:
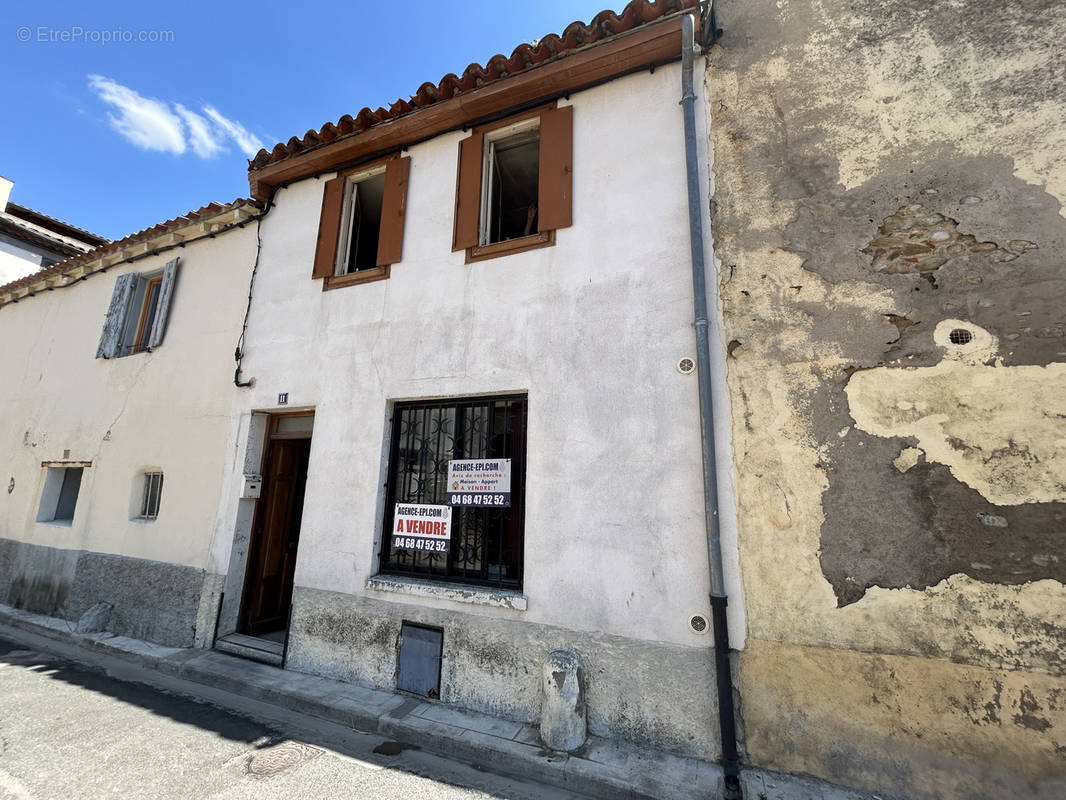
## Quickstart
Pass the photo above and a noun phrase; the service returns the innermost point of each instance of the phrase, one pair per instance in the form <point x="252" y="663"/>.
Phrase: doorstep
<point x="252" y="647"/>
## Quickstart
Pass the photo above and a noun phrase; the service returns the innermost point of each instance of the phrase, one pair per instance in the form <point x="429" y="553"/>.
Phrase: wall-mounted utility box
<point x="252" y="486"/>
<point x="420" y="657"/>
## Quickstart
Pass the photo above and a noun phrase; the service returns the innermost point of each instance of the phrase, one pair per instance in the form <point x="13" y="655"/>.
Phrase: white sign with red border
<point x="422" y="527"/>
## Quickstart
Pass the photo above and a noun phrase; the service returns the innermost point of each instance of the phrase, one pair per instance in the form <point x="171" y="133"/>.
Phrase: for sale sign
<point x="479" y="482"/>
<point x="422" y="527"/>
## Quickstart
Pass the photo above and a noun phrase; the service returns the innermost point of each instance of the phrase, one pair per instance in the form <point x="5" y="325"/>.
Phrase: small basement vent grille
<point x="686" y="365"/>
<point x="698" y="623"/>
<point x="960" y="336"/>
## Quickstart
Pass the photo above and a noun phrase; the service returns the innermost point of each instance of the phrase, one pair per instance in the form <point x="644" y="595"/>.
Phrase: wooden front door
<point x="272" y="560"/>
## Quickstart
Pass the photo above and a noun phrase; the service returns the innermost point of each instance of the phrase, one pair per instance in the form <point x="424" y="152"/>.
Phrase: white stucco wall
<point x="168" y="409"/>
<point x="591" y="329"/>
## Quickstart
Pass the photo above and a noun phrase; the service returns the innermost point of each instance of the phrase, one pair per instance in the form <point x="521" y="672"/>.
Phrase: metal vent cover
<point x="686" y="365"/>
<point x="698" y="623"/>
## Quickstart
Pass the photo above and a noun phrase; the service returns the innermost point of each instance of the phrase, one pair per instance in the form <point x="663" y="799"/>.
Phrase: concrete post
<point x="562" y="715"/>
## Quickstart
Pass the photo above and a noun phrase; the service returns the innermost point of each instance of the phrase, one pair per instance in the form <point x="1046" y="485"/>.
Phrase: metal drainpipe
<point x="723" y="669"/>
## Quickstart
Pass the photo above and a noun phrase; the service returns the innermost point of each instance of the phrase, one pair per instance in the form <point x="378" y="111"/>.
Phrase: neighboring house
<point x="31" y="241"/>
<point x="496" y="272"/>
<point x="118" y="370"/>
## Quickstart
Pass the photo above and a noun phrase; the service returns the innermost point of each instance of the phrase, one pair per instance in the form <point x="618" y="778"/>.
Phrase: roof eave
<point x="153" y="240"/>
<point x="651" y="44"/>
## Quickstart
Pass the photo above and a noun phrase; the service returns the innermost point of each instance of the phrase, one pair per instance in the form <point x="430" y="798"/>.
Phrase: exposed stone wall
<point x="151" y="600"/>
<point x="891" y="233"/>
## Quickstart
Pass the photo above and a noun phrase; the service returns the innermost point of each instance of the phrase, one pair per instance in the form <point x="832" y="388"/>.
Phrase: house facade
<point x="115" y="416"/>
<point x="463" y="434"/>
<point x="522" y="307"/>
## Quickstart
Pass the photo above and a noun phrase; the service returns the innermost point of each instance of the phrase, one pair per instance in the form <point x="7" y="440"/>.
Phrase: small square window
<point x="59" y="497"/>
<point x="153" y="492"/>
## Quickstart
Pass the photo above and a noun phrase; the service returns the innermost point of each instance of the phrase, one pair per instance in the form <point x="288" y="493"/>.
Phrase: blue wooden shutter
<point x="166" y="292"/>
<point x="111" y="338"/>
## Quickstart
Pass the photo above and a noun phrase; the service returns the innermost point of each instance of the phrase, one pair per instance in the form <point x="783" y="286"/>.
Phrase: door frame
<point x="271" y="435"/>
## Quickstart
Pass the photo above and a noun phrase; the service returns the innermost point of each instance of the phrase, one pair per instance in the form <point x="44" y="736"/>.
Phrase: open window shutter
<point x="166" y="292"/>
<point x="555" y="192"/>
<point x="393" y="210"/>
<point x="468" y="192"/>
<point x="329" y="228"/>
<point x="111" y="338"/>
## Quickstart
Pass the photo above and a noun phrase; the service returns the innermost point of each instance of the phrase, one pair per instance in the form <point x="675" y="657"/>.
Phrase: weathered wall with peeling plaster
<point x="890" y="226"/>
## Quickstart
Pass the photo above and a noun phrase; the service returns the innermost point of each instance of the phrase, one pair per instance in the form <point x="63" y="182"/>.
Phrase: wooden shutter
<point x="166" y="292"/>
<point x="468" y="192"/>
<point x="115" y="321"/>
<point x="393" y="210"/>
<point x="555" y="192"/>
<point x="329" y="228"/>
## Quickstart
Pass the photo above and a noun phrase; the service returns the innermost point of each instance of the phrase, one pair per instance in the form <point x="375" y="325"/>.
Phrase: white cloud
<point x="202" y="138"/>
<point x="248" y="142"/>
<point x="171" y="127"/>
<point x="147" y="123"/>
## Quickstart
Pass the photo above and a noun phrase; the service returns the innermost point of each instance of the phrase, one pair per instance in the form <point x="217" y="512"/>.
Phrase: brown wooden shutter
<point x="393" y="211"/>
<point x="555" y="193"/>
<point x="329" y="228"/>
<point x="468" y="192"/>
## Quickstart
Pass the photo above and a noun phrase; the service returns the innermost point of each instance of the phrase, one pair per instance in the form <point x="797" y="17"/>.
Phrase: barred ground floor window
<point x="485" y="545"/>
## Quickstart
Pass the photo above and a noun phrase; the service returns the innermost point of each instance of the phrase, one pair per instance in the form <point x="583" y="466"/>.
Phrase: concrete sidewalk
<point x="607" y="769"/>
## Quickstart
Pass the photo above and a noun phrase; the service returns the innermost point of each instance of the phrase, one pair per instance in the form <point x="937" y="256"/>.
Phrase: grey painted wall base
<point x="651" y="694"/>
<point x="152" y="600"/>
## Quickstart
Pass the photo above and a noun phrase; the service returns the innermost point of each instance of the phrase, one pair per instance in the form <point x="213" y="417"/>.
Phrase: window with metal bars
<point x="153" y="492"/>
<point x="486" y="543"/>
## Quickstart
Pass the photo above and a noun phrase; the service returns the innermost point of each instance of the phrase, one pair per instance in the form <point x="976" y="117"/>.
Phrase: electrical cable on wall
<point x="238" y="352"/>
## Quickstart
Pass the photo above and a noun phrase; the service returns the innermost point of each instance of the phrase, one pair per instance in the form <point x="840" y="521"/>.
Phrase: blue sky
<point x="115" y="136"/>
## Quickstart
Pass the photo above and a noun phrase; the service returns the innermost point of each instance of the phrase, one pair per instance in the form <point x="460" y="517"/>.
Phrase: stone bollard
<point x="562" y="712"/>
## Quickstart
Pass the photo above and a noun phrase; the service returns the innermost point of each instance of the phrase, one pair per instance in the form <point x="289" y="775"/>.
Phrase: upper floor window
<point x="137" y="317"/>
<point x="360" y="232"/>
<point x="515" y="183"/>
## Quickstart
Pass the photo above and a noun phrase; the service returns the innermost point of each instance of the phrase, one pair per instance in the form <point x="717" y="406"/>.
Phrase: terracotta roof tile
<point x="526" y="56"/>
<point x="210" y="209"/>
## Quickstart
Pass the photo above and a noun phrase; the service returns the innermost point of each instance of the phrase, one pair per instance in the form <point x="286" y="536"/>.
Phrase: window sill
<point x="57" y="523"/>
<point x="458" y="593"/>
<point x="519" y="245"/>
<point x="353" y="278"/>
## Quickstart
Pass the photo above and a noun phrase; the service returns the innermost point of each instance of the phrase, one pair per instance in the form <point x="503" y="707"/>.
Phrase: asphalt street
<point x="70" y="730"/>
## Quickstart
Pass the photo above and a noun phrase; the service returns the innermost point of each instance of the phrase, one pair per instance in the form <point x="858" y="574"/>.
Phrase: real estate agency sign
<point x="422" y="527"/>
<point x="479" y="482"/>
